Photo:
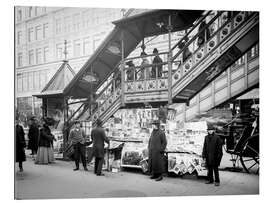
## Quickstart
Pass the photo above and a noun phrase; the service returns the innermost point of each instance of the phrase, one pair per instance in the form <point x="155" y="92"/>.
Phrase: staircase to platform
<point x="205" y="78"/>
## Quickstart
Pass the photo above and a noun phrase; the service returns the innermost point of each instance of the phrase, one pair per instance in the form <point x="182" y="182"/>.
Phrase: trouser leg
<point x="216" y="174"/>
<point x="20" y="165"/>
<point x="96" y="164"/>
<point x="82" y="155"/>
<point x="77" y="155"/>
<point x="210" y="174"/>
<point x="99" y="165"/>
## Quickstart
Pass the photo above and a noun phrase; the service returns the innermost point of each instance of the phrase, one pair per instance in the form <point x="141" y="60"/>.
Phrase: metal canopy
<point x="134" y="29"/>
<point x="58" y="82"/>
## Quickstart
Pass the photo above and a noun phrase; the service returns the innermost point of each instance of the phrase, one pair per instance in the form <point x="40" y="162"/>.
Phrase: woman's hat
<point x="49" y="121"/>
<point x="155" y="50"/>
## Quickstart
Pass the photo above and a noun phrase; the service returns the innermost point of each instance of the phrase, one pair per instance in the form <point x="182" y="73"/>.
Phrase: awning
<point x="134" y="28"/>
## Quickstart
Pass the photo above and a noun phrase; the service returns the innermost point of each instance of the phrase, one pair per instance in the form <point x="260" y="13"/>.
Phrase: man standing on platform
<point x="77" y="138"/>
<point x="98" y="137"/>
<point x="156" y="148"/>
<point x="212" y="154"/>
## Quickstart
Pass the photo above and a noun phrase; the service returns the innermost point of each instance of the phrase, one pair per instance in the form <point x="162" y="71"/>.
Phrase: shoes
<point x="21" y="169"/>
<point x="159" y="178"/>
<point x="86" y="169"/>
<point x="101" y="174"/>
<point x="209" y="182"/>
<point x="75" y="169"/>
<point x="152" y="177"/>
<point x="217" y="184"/>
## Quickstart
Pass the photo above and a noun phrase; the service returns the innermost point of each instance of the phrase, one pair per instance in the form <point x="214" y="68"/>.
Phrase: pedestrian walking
<point x="33" y="135"/>
<point x="156" y="148"/>
<point x="212" y="154"/>
<point x="98" y="137"/>
<point x="157" y="67"/>
<point x="45" y="151"/>
<point x="77" y="138"/>
<point x="20" y="145"/>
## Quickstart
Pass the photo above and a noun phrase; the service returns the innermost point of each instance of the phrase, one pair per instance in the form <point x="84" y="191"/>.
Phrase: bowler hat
<point x="77" y="121"/>
<point x="155" y="50"/>
<point x="99" y="122"/>
<point x="157" y="122"/>
<point x="210" y="127"/>
<point x="129" y="63"/>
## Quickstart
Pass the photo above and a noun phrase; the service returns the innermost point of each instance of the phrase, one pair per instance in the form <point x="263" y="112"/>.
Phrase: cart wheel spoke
<point x="252" y="166"/>
<point x="252" y="149"/>
<point x="245" y="160"/>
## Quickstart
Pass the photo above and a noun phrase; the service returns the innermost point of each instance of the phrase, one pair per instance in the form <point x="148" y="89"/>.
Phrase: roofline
<point x="130" y="18"/>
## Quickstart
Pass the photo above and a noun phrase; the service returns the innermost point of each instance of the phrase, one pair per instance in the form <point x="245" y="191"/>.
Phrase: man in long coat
<point x="20" y="145"/>
<point x="33" y="134"/>
<point x="156" y="147"/>
<point x="98" y="137"/>
<point x="212" y="153"/>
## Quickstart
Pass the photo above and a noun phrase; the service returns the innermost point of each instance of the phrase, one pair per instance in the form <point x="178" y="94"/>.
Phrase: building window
<point x="30" y="81"/>
<point x="30" y="34"/>
<point x="25" y="82"/>
<point x="38" y="56"/>
<point x="59" y="51"/>
<point x="45" y="30"/>
<point x="36" y="80"/>
<point x="77" y="48"/>
<point x="86" y="46"/>
<point x="31" y="57"/>
<point x="43" y="78"/>
<point x="86" y="19"/>
<point x="19" y="82"/>
<point x="38" y="32"/>
<point x="67" y="24"/>
<point x="19" y="15"/>
<point x="46" y="54"/>
<point x="96" y="43"/>
<point x="76" y="22"/>
<point x="58" y="26"/>
<point x="20" y="60"/>
<point x="43" y="9"/>
<point x="69" y="50"/>
<point x="19" y="37"/>
<point x="30" y="10"/>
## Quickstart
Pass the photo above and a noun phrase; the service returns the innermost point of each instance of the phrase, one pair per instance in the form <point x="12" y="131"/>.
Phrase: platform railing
<point x="222" y="26"/>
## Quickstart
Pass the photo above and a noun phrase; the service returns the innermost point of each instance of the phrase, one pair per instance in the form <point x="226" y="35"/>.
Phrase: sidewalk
<point x="60" y="181"/>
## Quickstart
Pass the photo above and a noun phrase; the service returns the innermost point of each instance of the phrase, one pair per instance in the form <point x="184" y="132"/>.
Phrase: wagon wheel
<point x="249" y="154"/>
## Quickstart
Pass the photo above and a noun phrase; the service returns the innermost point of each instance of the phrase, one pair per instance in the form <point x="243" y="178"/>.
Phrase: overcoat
<point x="212" y="150"/>
<point x="45" y="137"/>
<point x="20" y="144"/>
<point x="98" y="137"/>
<point x="156" y="147"/>
<point x="33" y="137"/>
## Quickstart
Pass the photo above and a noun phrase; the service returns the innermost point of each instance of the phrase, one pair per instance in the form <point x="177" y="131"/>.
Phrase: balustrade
<point x="221" y="25"/>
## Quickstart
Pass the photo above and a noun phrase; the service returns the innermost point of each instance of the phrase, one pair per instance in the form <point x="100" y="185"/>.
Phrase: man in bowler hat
<point x="98" y="137"/>
<point x="212" y="154"/>
<point x="156" y="148"/>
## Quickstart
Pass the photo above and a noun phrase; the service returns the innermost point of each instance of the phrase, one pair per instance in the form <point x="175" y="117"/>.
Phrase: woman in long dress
<point x="45" y="150"/>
